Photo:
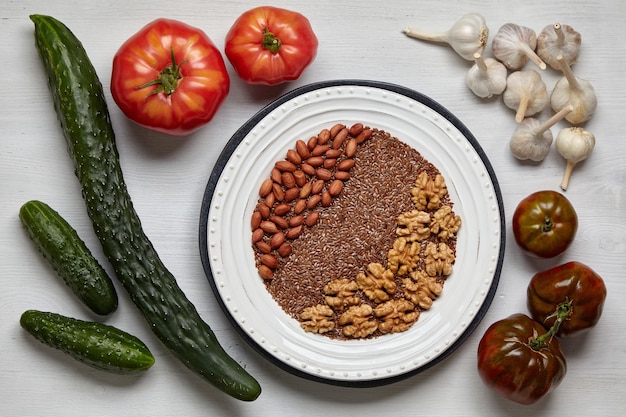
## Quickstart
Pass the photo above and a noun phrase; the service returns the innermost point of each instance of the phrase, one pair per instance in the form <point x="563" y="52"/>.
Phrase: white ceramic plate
<point x="231" y="196"/>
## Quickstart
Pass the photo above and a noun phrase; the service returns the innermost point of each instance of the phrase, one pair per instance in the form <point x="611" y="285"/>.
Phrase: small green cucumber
<point x="60" y="244"/>
<point x="81" y="107"/>
<point x="96" y="344"/>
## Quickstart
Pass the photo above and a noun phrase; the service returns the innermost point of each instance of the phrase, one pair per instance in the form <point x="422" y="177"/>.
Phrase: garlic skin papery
<point x="514" y="45"/>
<point x="555" y="40"/>
<point x="571" y="90"/>
<point x="526" y="93"/>
<point x="467" y="36"/>
<point x="487" y="77"/>
<point x="574" y="144"/>
<point x="532" y="139"/>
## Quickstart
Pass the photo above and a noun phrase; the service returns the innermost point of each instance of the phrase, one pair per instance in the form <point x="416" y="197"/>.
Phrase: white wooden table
<point x="167" y="177"/>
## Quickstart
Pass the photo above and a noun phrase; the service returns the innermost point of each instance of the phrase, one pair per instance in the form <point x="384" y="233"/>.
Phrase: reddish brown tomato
<point x="269" y="45"/>
<point x="519" y="360"/>
<point x="571" y="282"/>
<point x="545" y="223"/>
<point x="169" y="77"/>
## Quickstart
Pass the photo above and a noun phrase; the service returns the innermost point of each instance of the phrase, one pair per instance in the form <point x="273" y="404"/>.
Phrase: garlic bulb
<point x="514" y="45"/>
<point x="575" y="145"/>
<point x="532" y="139"/>
<point x="486" y="77"/>
<point x="575" y="91"/>
<point x="526" y="93"/>
<point x="555" y="40"/>
<point x="467" y="36"/>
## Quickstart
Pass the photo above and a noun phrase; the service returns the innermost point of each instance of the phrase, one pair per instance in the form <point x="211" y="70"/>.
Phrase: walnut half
<point x="317" y="319"/>
<point x="396" y="315"/>
<point x="357" y="321"/>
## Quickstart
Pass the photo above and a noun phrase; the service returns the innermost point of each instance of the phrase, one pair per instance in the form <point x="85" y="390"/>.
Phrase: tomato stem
<point x="562" y="312"/>
<point x="270" y="41"/>
<point x="168" y="78"/>
<point x="547" y="224"/>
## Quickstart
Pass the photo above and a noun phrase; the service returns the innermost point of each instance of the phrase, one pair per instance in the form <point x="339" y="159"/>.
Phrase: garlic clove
<point x="467" y="35"/>
<point x="526" y="93"/>
<point x="555" y="40"/>
<point x="574" y="91"/>
<point x="487" y="77"/>
<point x="574" y="144"/>
<point x="514" y="45"/>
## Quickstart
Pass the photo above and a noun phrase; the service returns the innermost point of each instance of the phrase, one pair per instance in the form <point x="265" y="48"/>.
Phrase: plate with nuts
<point x="353" y="232"/>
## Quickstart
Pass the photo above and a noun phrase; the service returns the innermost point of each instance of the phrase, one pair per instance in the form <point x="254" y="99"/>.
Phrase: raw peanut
<point x="265" y="272"/>
<point x="263" y="247"/>
<point x="269" y="260"/>
<point x="346" y="165"/>
<point x="363" y="136"/>
<point x="266" y="187"/>
<point x="264" y="210"/>
<point x="306" y="190"/>
<point x="278" y="192"/>
<point x="294" y="232"/>
<point x="355" y="129"/>
<point x="279" y="221"/>
<point x="256" y="219"/>
<point x="312" y="218"/>
<point x="342" y="175"/>
<point x="335" y="188"/>
<point x="300" y="206"/>
<point x="351" y="148"/>
<point x="282" y="209"/>
<point x="323" y="137"/>
<point x="318" y="186"/>
<point x="302" y="149"/>
<point x="294" y="157"/>
<point x="277" y="240"/>
<point x="288" y="179"/>
<point x="283" y="166"/>
<point x="292" y="193"/>
<point x="270" y="200"/>
<point x="323" y="174"/>
<point x="333" y="153"/>
<point x="299" y="177"/>
<point x="340" y="138"/>
<point x="269" y="227"/>
<point x="312" y="143"/>
<point x="308" y="169"/>
<point x="329" y="163"/>
<point x="319" y="150"/>
<point x="315" y="161"/>
<point x="335" y="129"/>
<point x="276" y="175"/>
<point x="257" y="235"/>
<point x="313" y="201"/>
<point x="296" y="220"/>
<point x="284" y="250"/>
<point x="327" y="199"/>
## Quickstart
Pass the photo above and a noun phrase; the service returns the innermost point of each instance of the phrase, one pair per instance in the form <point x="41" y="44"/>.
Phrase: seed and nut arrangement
<point x="299" y="216"/>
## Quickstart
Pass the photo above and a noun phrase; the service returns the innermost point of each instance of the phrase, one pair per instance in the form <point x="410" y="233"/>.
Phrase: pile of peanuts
<point x="307" y="179"/>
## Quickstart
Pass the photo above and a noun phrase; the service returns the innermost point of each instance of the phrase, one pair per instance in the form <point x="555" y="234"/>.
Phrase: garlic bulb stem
<point x="426" y="36"/>
<point x="521" y="109"/>
<point x="532" y="56"/>
<point x="560" y="37"/>
<point x="480" y="63"/>
<point x="568" y="73"/>
<point x="569" y="168"/>
<point x="556" y="117"/>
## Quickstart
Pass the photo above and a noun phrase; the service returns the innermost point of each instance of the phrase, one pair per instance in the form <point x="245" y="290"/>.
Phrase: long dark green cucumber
<point x="82" y="111"/>
<point x="60" y="244"/>
<point x="96" y="344"/>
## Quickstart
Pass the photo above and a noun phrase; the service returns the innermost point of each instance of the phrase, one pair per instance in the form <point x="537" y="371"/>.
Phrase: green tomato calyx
<point x="168" y="78"/>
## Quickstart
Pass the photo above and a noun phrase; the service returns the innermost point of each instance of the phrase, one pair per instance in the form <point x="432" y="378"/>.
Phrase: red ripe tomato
<point x="572" y="282"/>
<point x="269" y="45"/>
<point x="169" y="77"/>
<point x="545" y="223"/>
<point x="520" y="360"/>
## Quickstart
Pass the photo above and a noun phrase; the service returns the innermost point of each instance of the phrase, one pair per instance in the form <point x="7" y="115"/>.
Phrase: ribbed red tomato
<point x="269" y="45"/>
<point x="169" y="77"/>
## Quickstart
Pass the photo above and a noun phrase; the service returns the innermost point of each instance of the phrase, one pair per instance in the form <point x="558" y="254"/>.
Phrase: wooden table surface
<point x="167" y="177"/>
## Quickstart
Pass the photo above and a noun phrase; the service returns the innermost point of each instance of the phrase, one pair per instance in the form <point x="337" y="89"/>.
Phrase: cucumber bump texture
<point x="95" y="344"/>
<point x="60" y="244"/>
<point x="82" y="111"/>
